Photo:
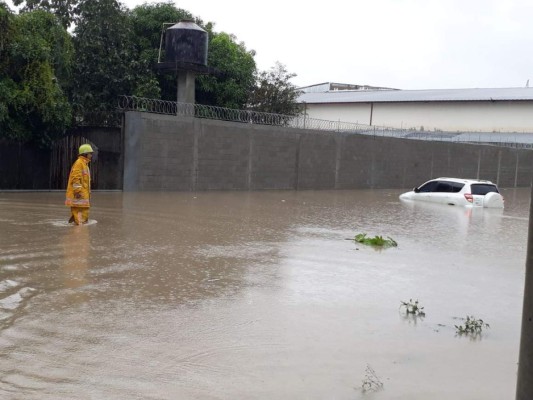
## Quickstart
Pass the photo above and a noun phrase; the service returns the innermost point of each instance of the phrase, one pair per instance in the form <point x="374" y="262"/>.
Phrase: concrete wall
<point x="182" y="153"/>
<point x="478" y="116"/>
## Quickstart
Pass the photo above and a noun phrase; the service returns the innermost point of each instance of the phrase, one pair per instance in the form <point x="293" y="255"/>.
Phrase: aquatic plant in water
<point x="375" y="241"/>
<point x="412" y="307"/>
<point x="371" y="383"/>
<point x="471" y="326"/>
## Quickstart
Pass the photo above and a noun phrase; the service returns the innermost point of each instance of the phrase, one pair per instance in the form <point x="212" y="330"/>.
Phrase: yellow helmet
<point x="85" y="148"/>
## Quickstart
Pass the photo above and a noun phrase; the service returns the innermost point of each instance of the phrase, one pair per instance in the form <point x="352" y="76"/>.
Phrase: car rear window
<point x="482" y="189"/>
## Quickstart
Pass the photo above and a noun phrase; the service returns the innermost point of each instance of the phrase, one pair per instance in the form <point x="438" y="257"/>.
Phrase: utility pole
<point x="524" y="386"/>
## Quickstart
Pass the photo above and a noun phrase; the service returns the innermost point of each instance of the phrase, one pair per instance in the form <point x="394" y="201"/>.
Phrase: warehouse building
<point x="502" y="110"/>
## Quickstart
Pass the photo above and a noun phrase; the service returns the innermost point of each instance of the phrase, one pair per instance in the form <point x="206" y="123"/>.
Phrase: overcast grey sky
<point x="407" y="44"/>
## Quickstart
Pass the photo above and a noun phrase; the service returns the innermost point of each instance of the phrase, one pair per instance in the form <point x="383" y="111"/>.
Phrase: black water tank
<point x="186" y="42"/>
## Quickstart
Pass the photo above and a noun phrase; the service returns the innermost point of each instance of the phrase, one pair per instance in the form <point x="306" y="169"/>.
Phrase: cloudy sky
<point x="407" y="44"/>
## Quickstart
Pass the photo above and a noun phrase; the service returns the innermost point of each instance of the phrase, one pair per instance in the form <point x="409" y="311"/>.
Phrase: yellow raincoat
<point x="79" y="190"/>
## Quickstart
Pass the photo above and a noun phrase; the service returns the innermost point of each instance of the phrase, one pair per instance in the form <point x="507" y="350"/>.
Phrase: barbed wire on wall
<point x="133" y="103"/>
<point x="302" y="121"/>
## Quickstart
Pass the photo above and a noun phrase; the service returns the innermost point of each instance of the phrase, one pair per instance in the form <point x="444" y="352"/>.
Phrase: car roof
<point x="460" y="180"/>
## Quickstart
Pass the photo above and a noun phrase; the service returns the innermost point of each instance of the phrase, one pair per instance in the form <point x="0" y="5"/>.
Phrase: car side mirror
<point x="416" y="190"/>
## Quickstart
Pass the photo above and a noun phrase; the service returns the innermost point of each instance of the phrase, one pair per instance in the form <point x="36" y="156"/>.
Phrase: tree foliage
<point x="50" y="79"/>
<point x="231" y="87"/>
<point x="147" y="21"/>
<point x="6" y="27"/>
<point x="105" y="59"/>
<point x="35" y="58"/>
<point x="274" y="93"/>
<point x="64" y="10"/>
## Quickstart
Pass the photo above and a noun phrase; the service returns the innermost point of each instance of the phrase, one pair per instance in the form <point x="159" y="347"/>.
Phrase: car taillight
<point x="469" y="197"/>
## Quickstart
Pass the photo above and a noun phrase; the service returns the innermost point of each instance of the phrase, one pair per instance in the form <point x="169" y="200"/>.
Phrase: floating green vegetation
<point x="472" y="326"/>
<point x="371" y="383"/>
<point x="375" y="241"/>
<point x="412" y="307"/>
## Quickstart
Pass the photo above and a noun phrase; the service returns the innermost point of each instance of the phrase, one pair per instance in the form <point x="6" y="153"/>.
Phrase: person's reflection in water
<point x="76" y="249"/>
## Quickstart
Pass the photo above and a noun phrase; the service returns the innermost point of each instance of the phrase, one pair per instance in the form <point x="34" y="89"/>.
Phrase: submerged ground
<point x="257" y="295"/>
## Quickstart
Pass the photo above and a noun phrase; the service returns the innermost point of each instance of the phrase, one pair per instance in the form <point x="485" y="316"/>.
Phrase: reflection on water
<point x="461" y="221"/>
<point x="75" y="263"/>
<point x="257" y="295"/>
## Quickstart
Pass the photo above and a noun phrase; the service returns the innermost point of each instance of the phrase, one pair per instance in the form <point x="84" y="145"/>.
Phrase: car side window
<point x="448" y="187"/>
<point x="456" y="186"/>
<point x="443" y="187"/>
<point x="428" y="187"/>
<point x="483" y="189"/>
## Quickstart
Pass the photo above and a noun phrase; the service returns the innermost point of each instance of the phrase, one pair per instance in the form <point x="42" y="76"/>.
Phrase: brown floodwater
<point x="257" y="295"/>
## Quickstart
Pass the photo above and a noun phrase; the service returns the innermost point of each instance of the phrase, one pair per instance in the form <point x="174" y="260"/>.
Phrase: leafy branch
<point x="413" y="307"/>
<point x="471" y="326"/>
<point x="375" y="241"/>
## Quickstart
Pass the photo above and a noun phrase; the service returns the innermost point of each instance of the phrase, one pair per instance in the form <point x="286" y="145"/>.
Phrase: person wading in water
<point x="79" y="186"/>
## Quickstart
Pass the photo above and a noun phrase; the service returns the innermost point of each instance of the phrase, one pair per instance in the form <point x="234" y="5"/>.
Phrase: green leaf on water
<point x="375" y="241"/>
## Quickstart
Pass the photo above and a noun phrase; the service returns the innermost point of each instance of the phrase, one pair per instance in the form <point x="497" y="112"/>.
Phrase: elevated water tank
<point x="186" y="42"/>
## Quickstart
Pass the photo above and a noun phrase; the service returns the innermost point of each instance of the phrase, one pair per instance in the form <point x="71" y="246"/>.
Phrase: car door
<point x="426" y="191"/>
<point x="442" y="193"/>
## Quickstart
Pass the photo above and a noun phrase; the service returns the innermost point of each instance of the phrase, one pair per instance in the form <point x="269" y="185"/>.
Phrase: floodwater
<point x="257" y="295"/>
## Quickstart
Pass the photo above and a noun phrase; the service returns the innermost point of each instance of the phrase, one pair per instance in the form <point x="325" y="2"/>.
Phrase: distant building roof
<point x="429" y="95"/>
<point x="333" y="86"/>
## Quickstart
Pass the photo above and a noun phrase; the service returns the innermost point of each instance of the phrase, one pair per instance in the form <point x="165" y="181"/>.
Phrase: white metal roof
<point x="428" y="95"/>
<point x="335" y="86"/>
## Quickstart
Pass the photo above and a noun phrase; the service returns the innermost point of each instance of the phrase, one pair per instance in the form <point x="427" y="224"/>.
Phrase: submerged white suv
<point x="457" y="192"/>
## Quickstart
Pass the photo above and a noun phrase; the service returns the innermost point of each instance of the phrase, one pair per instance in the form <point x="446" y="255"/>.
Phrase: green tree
<point x="147" y="21"/>
<point x="65" y="10"/>
<point x="231" y="87"/>
<point x="274" y="93"/>
<point x="35" y="57"/>
<point x="6" y="27"/>
<point x="105" y="60"/>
